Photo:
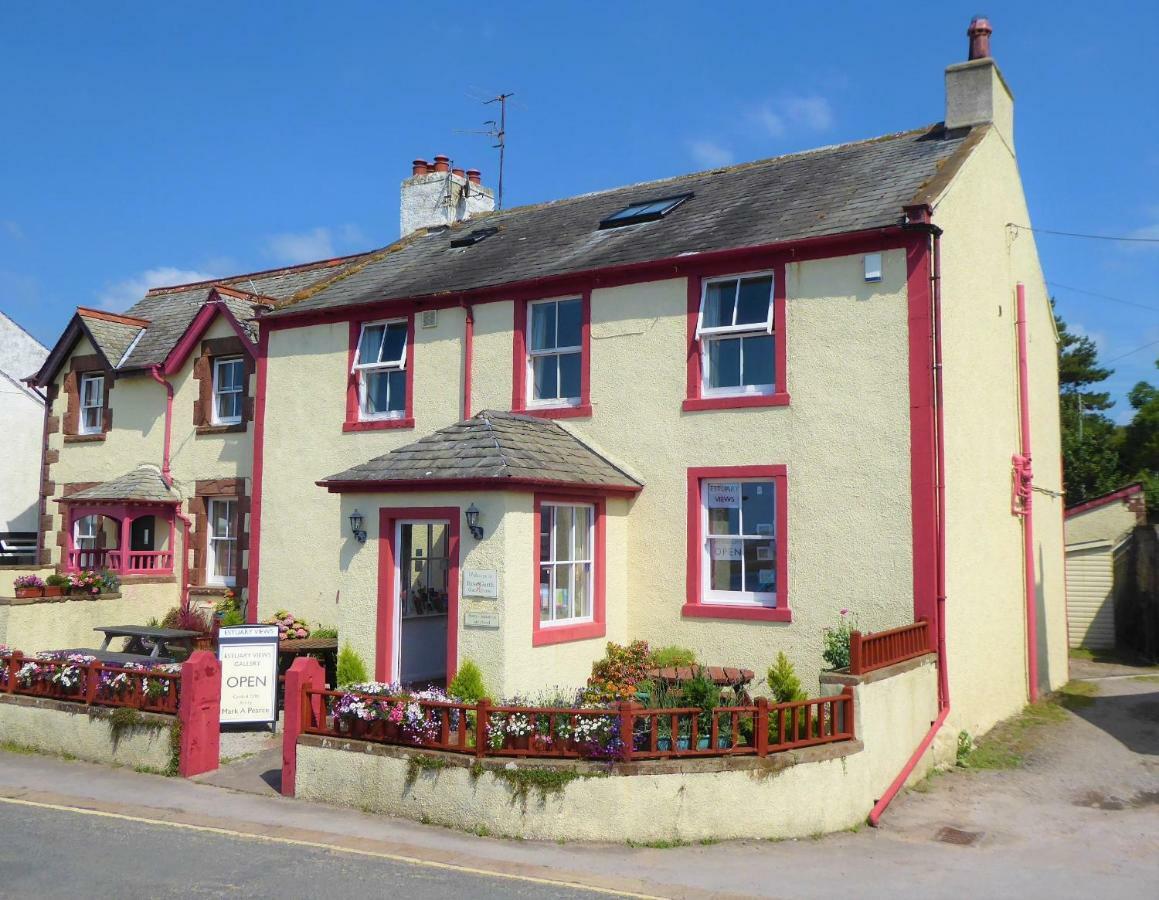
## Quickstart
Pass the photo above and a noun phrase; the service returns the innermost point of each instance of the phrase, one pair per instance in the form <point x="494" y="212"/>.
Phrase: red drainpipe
<point x="940" y="555"/>
<point x="186" y="522"/>
<point x="1024" y="499"/>
<point x="468" y="356"/>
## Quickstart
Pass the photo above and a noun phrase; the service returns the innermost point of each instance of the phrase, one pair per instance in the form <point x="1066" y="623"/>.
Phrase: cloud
<point x="119" y="295"/>
<point x="1100" y="338"/>
<point x="12" y="229"/>
<point x="710" y="154"/>
<point x="794" y="113"/>
<point x="292" y="248"/>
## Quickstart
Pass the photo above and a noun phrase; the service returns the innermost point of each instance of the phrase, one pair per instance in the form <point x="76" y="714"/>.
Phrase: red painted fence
<point x="885" y="648"/>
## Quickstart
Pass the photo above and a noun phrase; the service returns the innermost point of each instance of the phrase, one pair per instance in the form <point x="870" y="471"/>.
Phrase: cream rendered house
<point x="711" y="411"/>
<point x="21" y="418"/>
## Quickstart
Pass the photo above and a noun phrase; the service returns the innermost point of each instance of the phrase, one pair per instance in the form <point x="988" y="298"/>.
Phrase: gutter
<point x="167" y="477"/>
<point x="899" y="781"/>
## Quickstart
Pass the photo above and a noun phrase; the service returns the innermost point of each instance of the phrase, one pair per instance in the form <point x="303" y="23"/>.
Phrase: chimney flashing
<point x="977" y="94"/>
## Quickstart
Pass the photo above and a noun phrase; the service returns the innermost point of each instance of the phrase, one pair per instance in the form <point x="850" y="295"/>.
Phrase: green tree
<point x="1090" y="443"/>
<point x="1139" y="441"/>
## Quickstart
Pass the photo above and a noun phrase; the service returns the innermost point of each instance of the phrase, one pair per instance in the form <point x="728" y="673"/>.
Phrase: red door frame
<point x="388" y="518"/>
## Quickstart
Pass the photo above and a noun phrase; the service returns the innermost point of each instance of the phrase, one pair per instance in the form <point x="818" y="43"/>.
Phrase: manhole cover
<point x="948" y="835"/>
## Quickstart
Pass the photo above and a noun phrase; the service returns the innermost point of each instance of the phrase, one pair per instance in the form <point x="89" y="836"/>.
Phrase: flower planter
<point x="205" y="642"/>
<point x="542" y="743"/>
<point x="664" y="745"/>
<point x="27" y="592"/>
<point x="54" y="590"/>
<point x="517" y="742"/>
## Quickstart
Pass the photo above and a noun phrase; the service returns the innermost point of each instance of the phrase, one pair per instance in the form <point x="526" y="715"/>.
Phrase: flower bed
<point x="79" y="678"/>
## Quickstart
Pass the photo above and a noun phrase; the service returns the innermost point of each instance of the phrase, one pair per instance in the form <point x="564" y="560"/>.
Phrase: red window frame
<point x="693" y="401"/>
<point x="353" y="422"/>
<point x="543" y="635"/>
<point x="694" y="605"/>
<point x="519" y="362"/>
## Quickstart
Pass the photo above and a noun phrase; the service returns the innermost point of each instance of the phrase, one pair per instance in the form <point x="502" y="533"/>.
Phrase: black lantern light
<point x="472" y="514"/>
<point x="356" y="527"/>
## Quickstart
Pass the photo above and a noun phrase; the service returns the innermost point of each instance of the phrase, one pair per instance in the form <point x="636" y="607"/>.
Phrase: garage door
<point x="1089" y="594"/>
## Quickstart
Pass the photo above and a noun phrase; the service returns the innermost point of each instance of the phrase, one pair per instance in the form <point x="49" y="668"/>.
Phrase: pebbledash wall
<point x="846" y="352"/>
<point x="35" y="624"/>
<point x="788" y="795"/>
<point x="136" y="436"/>
<point x="982" y="262"/>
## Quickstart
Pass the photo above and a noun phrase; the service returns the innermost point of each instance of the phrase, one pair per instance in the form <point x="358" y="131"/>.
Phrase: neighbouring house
<point x="1100" y="542"/>
<point x="21" y="421"/>
<point x="712" y="411"/>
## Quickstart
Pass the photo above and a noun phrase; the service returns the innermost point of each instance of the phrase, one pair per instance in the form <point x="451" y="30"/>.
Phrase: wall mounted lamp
<point x="356" y="526"/>
<point x="472" y="515"/>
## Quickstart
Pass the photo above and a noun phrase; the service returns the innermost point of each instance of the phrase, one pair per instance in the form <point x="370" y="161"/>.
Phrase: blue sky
<point x="154" y="143"/>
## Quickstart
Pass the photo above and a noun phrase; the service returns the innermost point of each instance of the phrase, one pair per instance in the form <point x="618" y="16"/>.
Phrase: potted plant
<point x="28" y="586"/>
<point x="700" y="691"/>
<point x="836" y="640"/>
<point x="56" y="585"/>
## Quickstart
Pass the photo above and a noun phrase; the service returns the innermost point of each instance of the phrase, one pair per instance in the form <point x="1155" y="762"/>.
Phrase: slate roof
<point x="844" y="188"/>
<point x="143" y="484"/>
<point x="112" y="338"/>
<point x="493" y="445"/>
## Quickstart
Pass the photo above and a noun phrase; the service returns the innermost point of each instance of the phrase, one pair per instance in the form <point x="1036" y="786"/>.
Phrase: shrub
<point x="56" y="581"/>
<point x="672" y="656"/>
<point x="109" y="582"/>
<point x="232" y="618"/>
<point x="190" y="618"/>
<point x="836" y="651"/>
<point x="171" y="618"/>
<point x="783" y="681"/>
<point x="468" y="683"/>
<point x="616" y="675"/>
<point x="290" y="627"/>
<point x="351" y="668"/>
<point x="324" y="631"/>
<point x="700" y="691"/>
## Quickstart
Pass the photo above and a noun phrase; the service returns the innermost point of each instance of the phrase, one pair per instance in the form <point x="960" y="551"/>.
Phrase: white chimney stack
<point x="976" y="92"/>
<point x="436" y="195"/>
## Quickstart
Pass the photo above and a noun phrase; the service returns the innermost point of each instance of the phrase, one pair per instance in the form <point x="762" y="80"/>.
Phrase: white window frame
<point x="361" y="370"/>
<point x="708" y="335"/>
<point x="211" y="541"/>
<point x="551" y="402"/>
<point x="554" y="565"/>
<point x="217" y="391"/>
<point x="755" y="599"/>
<point x="82" y="425"/>
<point x="94" y="522"/>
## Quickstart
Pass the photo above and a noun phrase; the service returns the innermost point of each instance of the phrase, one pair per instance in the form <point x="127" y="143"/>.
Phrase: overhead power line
<point x="1093" y="237"/>
<point x="1131" y="352"/>
<point x="1067" y="287"/>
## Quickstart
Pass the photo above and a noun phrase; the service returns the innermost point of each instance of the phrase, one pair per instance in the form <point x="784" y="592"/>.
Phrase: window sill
<point x="583" y="411"/>
<point x="378" y="425"/>
<point x="698" y="404"/>
<point x="238" y="428"/>
<point x="744" y="613"/>
<point x="544" y="636"/>
<point x="83" y="438"/>
<point x="211" y="590"/>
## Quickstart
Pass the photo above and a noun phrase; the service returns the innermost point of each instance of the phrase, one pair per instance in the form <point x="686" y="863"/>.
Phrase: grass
<point x="1149" y="679"/>
<point x="1007" y="745"/>
<point x="658" y="845"/>
<point x="1112" y="656"/>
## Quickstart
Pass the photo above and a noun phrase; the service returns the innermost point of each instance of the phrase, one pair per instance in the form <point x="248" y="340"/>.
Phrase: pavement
<point x="1079" y="819"/>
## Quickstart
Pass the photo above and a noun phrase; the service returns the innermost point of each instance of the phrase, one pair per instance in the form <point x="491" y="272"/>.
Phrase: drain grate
<point x="948" y="835"/>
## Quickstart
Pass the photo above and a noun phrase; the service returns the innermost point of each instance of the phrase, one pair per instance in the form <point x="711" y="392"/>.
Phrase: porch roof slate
<point x="493" y="445"/>
<point x="143" y="485"/>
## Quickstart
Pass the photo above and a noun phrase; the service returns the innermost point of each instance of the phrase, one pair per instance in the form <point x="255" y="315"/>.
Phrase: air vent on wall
<point x="430" y="318"/>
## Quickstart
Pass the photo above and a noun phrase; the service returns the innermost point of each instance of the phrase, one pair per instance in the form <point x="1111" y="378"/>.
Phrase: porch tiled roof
<point x="492" y="445"/>
<point x="143" y="485"/>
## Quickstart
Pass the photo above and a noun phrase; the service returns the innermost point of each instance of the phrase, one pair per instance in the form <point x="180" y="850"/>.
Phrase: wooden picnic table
<point x="146" y="641"/>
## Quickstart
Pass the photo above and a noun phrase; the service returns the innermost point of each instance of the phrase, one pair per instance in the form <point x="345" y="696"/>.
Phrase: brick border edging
<point x="843" y="678"/>
<point x="774" y="762"/>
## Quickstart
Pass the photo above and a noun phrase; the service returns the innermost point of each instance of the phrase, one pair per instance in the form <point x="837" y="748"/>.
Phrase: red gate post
<point x="305" y="672"/>
<point x="200" y="713"/>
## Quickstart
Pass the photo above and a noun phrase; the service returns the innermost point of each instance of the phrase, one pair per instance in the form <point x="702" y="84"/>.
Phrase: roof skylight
<point x="645" y="211"/>
<point x="473" y="237"/>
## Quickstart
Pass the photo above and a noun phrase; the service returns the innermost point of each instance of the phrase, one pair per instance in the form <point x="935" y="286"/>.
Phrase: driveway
<point x="1079" y="819"/>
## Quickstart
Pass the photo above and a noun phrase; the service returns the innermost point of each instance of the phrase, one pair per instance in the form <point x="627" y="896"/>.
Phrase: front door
<point x="142" y="533"/>
<point x="422" y="586"/>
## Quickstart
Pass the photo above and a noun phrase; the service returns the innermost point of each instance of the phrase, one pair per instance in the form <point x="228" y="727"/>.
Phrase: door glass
<point x="424" y="568"/>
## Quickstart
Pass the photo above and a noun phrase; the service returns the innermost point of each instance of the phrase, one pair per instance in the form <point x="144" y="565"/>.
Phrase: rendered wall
<point x="68" y="622"/>
<point x="1109" y="522"/>
<point x="794" y="795"/>
<point x="844" y="438"/>
<point x="982" y="260"/>
<point x="84" y="732"/>
<point x="22" y="424"/>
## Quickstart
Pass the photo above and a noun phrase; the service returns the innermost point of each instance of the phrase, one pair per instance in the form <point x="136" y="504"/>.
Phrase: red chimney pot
<point x="458" y="172"/>
<point x="474" y="176"/>
<point x="979" y="33"/>
<point x="419" y="167"/>
<point x="442" y="164"/>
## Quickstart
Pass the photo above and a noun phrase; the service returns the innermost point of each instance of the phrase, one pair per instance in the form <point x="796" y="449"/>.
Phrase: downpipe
<point x="896" y="785"/>
<point x="167" y="477"/>
<point x="1024" y="497"/>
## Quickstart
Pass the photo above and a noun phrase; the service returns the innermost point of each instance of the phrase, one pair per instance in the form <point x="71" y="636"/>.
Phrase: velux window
<point x="92" y="404"/>
<point x="566" y="538"/>
<point x="739" y="527"/>
<point x="228" y="390"/>
<point x="646" y="211"/>
<point x="555" y="352"/>
<point x="380" y="367"/>
<point x="735" y="330"/>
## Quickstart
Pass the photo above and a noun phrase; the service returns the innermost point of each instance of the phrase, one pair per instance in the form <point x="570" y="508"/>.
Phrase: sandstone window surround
<point x="222" y="371"/>
<point x="88" y="414"/>
<point x="220" y="510"/>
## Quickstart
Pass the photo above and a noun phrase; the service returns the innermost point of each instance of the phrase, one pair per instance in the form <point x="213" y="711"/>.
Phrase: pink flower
<point x="844" y="612"/>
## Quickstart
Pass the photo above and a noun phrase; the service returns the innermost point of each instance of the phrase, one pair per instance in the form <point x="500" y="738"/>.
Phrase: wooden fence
<point x="91" y="683"/>
<point x="625" y="732"/>
<point x="885" y="648"/>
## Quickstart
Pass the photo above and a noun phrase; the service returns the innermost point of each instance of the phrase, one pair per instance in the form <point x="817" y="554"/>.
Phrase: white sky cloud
<point x="11" y="228"/>
<point x="710" y="154"/>
<point x="292" y="248"/>
<point x="794" y="113"/>
<point x="120" y="295"/>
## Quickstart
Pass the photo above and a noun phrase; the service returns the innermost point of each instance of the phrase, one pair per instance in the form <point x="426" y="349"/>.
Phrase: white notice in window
<point x="723" y="495"/>
<point x="727" y="550"/>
